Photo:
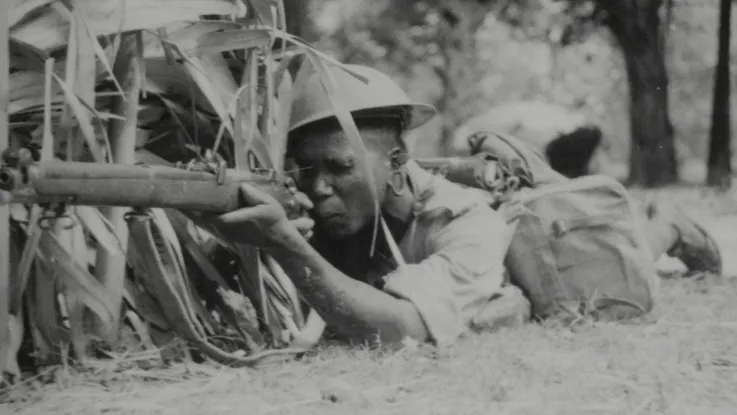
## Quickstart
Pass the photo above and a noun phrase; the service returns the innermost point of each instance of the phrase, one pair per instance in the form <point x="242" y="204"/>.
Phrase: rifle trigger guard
<point x="136" y="214"/>
<point x="44" y="222"/>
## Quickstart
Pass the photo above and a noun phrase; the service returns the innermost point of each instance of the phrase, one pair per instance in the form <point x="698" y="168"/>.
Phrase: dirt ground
<point x="681" y="359"/>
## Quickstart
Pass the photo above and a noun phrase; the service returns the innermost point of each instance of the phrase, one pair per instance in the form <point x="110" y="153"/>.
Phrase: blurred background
<point x="472" y="57"/>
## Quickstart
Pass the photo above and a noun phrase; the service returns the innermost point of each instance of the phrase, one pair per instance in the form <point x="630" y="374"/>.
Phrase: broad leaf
<point x="227" y="40"/>
<point x="76" y="277"/>
<point x="49" y="30"/>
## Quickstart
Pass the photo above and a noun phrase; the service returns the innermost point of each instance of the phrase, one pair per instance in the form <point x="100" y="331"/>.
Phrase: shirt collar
<point x="436" y="195"/>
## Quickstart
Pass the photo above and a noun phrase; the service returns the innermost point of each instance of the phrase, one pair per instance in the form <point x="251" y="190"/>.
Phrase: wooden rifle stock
<point x="137" y="186"/>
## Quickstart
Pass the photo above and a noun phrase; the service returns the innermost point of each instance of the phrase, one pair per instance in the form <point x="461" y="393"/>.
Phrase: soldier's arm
<point x="352" y="308"/>
<point x="432" y="300"/>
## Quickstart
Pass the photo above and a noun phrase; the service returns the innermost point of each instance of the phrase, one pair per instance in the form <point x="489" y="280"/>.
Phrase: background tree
<point x="458" y="23"/>
<point x="299" y="19"/>
<point x="443" y="35"/>
<point x="636" y="26"/>
<point x="299" y="23"/>
<point x="720" y="169"/>
<point x="638" y="30"/>
<point x="419" y="35"/>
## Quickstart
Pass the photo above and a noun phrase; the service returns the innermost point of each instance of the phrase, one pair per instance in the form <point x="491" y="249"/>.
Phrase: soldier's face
<point x="333" y="174"/>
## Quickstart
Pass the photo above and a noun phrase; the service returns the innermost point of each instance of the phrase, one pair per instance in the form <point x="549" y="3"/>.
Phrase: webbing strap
<point x="563" y="226"/>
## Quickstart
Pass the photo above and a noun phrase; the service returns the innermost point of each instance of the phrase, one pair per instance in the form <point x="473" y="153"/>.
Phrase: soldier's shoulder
<point x="437" y="194"/>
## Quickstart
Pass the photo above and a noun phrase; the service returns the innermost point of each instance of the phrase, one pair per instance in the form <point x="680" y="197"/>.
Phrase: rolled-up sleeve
<point x="463" y="268"/>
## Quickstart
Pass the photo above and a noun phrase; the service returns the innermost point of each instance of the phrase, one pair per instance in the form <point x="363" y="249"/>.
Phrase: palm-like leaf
<point x="129" y="79"/>
<point x="7" y="340"/>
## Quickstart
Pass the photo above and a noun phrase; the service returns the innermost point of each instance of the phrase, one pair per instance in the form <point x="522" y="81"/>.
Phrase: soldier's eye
<point x="305" y="170"/>
<point x="340" y="166"/>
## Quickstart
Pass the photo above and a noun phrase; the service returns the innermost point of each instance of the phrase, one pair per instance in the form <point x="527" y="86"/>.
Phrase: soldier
<point x="452" y="241"/>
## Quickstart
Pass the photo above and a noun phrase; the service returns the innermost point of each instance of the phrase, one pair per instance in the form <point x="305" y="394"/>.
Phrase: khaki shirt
<point x="454" y="250"/>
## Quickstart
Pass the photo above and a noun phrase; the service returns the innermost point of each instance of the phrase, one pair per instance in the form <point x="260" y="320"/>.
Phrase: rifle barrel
<point x="98" y="184"/>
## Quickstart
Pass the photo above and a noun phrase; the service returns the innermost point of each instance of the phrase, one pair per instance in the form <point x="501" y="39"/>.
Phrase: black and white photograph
<point x="381" y="207"/>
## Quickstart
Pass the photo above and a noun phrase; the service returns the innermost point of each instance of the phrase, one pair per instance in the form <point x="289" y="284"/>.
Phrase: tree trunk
<point x="636" y="26"/>
<point x="5" y="336"/>
<point x="460" y="72"/>
<point x="299" y="23"/>
<point x="720" y="170"/>
<point x="298" y="17"/>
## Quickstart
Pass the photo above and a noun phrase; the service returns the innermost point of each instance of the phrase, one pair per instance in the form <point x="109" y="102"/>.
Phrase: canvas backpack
<point x="578" y="246"/>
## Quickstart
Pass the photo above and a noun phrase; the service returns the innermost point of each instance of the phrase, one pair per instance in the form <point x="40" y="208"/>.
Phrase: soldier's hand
<point x="262" y="222"/>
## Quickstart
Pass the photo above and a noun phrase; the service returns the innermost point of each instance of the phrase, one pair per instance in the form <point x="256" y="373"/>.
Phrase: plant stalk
<point x="4" y="210"/>
<point x="110" y="267"/>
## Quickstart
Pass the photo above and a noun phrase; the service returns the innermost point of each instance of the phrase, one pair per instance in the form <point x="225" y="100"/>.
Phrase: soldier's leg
<point x="661" y="236"/>
<point x="671" y="231"/>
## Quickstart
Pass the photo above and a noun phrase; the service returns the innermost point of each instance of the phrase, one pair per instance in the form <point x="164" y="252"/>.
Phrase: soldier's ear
<point x="397" y="157"/>
<point x="398" y="181"/>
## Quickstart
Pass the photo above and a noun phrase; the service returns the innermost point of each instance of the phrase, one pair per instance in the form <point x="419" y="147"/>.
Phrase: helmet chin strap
<point x="393" y="247"/>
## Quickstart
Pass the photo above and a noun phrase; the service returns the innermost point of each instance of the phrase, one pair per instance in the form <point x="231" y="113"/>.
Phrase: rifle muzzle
<point x="9" y="179"/>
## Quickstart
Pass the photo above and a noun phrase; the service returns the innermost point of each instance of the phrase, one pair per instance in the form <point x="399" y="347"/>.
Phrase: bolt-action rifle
<point x="196" y="186"/>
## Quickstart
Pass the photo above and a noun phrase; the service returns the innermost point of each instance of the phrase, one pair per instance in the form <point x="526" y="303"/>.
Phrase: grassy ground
<point x="680" y="360"/>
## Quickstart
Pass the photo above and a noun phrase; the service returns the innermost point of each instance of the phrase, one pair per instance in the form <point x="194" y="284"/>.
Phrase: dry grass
<point x="680" y="360"/>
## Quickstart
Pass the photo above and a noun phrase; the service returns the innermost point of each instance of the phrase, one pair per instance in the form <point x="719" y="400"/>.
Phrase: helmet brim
<point x="414" y="114"/>
<point x="419" y="115"/>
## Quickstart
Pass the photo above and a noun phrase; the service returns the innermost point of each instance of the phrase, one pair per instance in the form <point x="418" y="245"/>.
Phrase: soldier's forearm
<point x="352" y="308"/>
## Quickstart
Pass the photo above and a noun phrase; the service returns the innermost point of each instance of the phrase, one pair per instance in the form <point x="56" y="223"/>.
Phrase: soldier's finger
<point x="304" y="224"/>
<point x="244" y="215"/>
<point x="253" y="196"/>
<point x="304" y="201"/>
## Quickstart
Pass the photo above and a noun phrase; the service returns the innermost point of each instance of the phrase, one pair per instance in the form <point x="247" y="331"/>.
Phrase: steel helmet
<point x="380" y="93"/>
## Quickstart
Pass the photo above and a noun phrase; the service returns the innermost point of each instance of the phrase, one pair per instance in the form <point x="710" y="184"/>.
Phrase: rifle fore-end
<point x="101" y="184"/>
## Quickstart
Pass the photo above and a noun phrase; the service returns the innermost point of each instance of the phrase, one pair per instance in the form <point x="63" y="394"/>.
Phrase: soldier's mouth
<point x="329" y="217"/>
<point x="333" y="217"/>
